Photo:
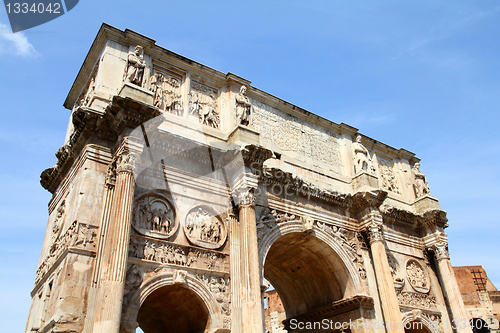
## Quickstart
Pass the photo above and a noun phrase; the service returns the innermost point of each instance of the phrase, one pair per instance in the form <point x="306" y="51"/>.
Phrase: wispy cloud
<point x="15" y="43"/>
<point x="448" y="30"/>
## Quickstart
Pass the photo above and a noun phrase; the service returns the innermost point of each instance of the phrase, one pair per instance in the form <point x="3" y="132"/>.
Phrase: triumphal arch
<point x="182" y="192"/>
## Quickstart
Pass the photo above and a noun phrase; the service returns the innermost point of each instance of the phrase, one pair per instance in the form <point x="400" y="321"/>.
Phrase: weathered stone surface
<point x="180" y="190"/>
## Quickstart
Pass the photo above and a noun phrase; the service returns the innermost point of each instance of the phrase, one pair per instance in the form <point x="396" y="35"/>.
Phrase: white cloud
<point x="15" y="43"/>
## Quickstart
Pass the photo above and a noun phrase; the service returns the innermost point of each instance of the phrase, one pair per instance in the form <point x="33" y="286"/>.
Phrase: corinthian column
<point x="385" y="282"/>
<point x="113" y="262"/>
<point x="251" y="302"/>
<point x="450" y="288"/>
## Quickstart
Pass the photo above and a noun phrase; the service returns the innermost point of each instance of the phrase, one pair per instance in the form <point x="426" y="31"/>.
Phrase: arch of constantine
<point x="181" y="192"/>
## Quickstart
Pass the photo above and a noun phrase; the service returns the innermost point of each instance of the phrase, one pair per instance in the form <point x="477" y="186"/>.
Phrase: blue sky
<point x="422" y="75"/>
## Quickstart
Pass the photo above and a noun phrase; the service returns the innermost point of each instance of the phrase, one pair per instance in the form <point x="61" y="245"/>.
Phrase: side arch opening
<point x="306" y="273"/>
<point x="173" y="308"/>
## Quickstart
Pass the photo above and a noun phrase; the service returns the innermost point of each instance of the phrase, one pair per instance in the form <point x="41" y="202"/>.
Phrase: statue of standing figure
<point x="421" y="186"/>
<point x="361" y="158"/>
<point x="243" y="107"/>
<point x="135" y="66"/>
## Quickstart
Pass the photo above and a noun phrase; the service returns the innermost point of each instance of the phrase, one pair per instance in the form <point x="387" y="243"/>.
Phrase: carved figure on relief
<point x="156" y="82"/>
<point x="167" y="93"/>
<point x="203" y="104"/>
<point x="361" y="156"/>
<point x="153" y="216"/>
<point x="266" y="223"/>
<point x="389" y="181"/>
<point x="417" y="276"/>
<point x="133" y="280"/>
<point x="87" y="97"/>
<point x="219" y="288"/>
<point x="421" y="187"/>
<point x="56" y="229"/>
<point x="204" y="228"/>
<point x="243" y="107"/>
<point x="135" y="66"/>
<point x="395" y="272"/>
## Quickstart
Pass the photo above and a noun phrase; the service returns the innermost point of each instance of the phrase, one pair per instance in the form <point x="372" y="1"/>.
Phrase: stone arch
<point x="416" y="316"/>
<point x="167" y="278"/>
<point x="306" y="285"/>
<point x="297" y="227"/>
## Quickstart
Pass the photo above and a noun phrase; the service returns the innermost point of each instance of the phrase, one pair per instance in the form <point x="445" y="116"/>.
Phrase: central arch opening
<point x="175" y="309"/>
<point x="306" y="273"/>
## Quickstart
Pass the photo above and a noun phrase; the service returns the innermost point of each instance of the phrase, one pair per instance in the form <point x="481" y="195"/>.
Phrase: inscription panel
<point x="296" y="137"/>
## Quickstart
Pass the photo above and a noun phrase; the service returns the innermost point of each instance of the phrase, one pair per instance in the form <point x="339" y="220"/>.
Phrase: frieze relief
<point x="294" y="135"/>
<point x="205" y="228"/>
<point x="388" y="177"/>
<point x="203" y="104"/>
<point x="164" y="253"/>
<point x="417" y="276"/>
<point x="79" y="235"/>
<point x="154" y="216"/>
<point x="166" y="87"/>
<point x="415" y="299"/>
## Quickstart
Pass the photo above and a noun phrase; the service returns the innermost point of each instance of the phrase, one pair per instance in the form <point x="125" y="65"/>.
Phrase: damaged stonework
<point x="182" y="193"/>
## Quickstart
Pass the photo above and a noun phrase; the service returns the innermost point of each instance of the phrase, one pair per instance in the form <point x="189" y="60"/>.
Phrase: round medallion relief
<point x="417" y="276"/>
<point x="204" y="228"/>
<point x="154" y="216"/>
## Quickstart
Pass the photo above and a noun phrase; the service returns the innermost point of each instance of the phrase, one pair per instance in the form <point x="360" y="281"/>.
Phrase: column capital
<point x="438" y="243"/>
<point x="244" y="197"/>
<point x="375" y="232"/>
<point x="126" y="158"/>
<point x="126" y="162"/>
<point x="441" y="251"/>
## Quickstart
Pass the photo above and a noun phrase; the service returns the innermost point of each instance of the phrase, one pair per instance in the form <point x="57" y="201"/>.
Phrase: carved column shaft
<point x="385" y="282"/>
<point x="92" y="303"/>
<point x="451" y="291"/>
<point x="235" y="247"/>
<point x="115" y="250"/>
<point x="252" y="315"/>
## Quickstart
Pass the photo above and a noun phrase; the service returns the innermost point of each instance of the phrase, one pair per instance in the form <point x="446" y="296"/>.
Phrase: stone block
<point x="425" y="203"/>
<point x="244" y="134"/>
<point x="364" y="180"/>
<point x="136" y="93"/>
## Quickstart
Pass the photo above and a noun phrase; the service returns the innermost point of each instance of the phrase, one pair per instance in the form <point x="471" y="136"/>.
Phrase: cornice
<point x="407" y="218"/>
<point x="294" y="184"/>
<point x="108" y="125"/>
<point x="255" y="156"/>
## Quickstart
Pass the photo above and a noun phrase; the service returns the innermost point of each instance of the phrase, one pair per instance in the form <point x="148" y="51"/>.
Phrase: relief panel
<point x="388" y="176"/>
<point x="204" y="228"/>
<point x="203" y="104"/>
<point x="296" y="137"/>
<point x="154" y="216"/>
<point x="166" y="87"/>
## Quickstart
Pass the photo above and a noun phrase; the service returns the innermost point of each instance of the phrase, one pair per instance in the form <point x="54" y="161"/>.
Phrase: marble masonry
<point x="180" y="191"/>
